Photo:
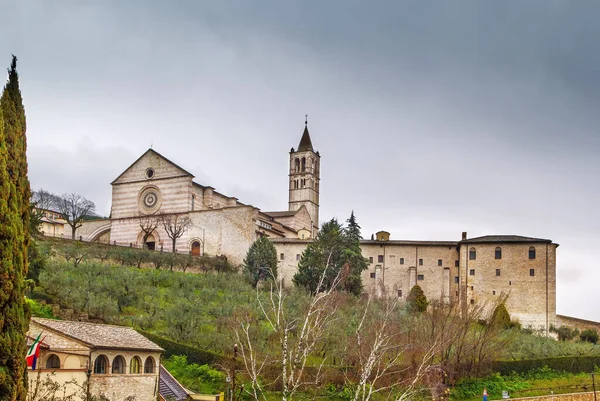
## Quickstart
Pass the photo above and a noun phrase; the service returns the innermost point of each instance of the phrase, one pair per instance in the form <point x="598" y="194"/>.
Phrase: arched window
<point x="304" y="164"/>
<point x="149" y="365"/>
<point x="101" y="364"/>
<point x="532" y="252"/>
<point x="118" y="365"/>
<point x="136" y="365"/>
<point x="498" y="253"/>
<point x="193" y="202"/>
<point x="297" y="165"/>
<point x="472" y="254"/>
<point x="53" y="362"/>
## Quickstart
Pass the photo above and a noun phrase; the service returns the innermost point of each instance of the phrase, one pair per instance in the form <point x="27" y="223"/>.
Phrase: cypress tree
<point x="416" y="300"/>
<point x="14" y="238"/>
<point x="353" y="229"/>
<point x="261" y="261"/>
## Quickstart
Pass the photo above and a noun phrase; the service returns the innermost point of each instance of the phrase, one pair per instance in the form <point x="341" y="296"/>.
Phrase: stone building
<point x="114" y="361"/>
<point x="470" y="270"/>
<point x="154" y="187"/>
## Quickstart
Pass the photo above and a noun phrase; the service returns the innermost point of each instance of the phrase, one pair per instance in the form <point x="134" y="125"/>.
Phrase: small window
<point x="532" y="272"/>
<point x="456" y="293"/>
<point x="380" y="259"/>
<point x="401" y="261"/>
<point x="456" y="279"/>
<point x="118" y="365"/>
<point x="193" y="202"/>
<point x="420" y="277"/>
<point x="439" y="262"/>
<point x="53" y="362"/>
<point x="399" y="293"/>
<point x="532" y="252"/>
<point x="472" y="302"/>
<point x="497" y="272"/>
<point x="149" y="365"/>
<point x="136" y="365"/>
<point x="498" y="253"/>
<point x="149" y="173"/>
<point x="493" y="292"/>
<point x="456" y="263"/>
<point x="373" y="275"/>
<point x="471" y="288"/>
<point x="472" y="254"/>
<point x="510" y="283"/>
<point x="370" y="259"/>
<point x="281" y="256"/>
<point x="297" y="256"/>
<point x="101" y="365"/>
<point x="420" y="262"/>
<point x="472" y="272"/>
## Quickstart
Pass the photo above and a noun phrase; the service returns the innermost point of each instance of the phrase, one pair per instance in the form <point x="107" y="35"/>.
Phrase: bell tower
<point x="304" y="176"/>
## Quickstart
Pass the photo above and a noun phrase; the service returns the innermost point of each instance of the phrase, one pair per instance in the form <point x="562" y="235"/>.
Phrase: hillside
<point x="199" y="313"/>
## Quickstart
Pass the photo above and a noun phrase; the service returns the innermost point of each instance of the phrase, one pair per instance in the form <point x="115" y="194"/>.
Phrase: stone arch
<point x="296" y="165"/>
<point x="196" y="247"/>
<point x="135" y="366"/>
<point x="101" y="365"/>
<point x="149" y="365"/>
<point x="118" y="365"/>
<point x="53" y="362"/>
<point x="98" y="232"/>
<point x="152" y="238"/>
<point x="304" y="164"/>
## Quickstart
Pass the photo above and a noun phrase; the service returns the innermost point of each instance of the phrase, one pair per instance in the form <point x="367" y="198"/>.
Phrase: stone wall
<point x="531" y="299"/>
<point x="580" y="324"/>
<point x="560" y="397"/>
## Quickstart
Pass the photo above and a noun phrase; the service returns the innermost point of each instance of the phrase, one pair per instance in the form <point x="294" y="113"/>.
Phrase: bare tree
<point x="42" y="199"/>
<point x="74" y="208"/>
<point x="175" y="225"/>
<point x="148" y="224"/>
<point x="298" y="336"/>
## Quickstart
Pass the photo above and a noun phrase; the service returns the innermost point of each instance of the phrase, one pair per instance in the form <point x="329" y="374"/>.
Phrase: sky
<point x="431" y="117"/>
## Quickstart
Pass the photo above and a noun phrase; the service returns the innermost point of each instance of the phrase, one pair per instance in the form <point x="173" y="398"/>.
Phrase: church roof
<point x="504" y="238"/>
<point x="159" y="155"/>
<point x="284" y="213"/>
<point x="305" y="142"/>
<point x="100" y="335"/>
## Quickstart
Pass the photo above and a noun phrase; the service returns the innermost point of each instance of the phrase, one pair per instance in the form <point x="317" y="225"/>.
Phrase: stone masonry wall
<point x="528" y="296"/>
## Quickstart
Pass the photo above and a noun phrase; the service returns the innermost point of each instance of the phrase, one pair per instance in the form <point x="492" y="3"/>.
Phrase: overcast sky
<point x="431" y="118"/>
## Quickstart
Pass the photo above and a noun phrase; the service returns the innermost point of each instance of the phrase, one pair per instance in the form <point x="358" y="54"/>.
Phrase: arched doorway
<point x="196" y="248"/>
<point x="151" y="242"/>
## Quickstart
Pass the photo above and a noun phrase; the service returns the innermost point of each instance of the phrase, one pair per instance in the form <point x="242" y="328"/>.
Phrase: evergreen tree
<point x="261" y="261"/>
<point x="416" y="300"/>
<point x="14" y="238"/>
<point x="353" y="229"/>
<point x="501" y="317"/>
<point x="334" y="253"/>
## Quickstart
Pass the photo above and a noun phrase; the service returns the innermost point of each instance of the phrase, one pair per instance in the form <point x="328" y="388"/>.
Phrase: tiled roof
<point x="284" y="213"/>
<point x="504" y="238"/>
<point x="100" y="335"/>
<point x="409" y="242"/>
<point x="169" y="388"/>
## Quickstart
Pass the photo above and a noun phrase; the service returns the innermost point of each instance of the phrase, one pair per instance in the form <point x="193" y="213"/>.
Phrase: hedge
<point x="573" y="364"/>
<point x="194" y="355"/>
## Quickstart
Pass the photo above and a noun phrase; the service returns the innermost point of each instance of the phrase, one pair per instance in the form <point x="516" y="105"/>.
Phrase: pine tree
<point x="353" y="229"/>
<point x="14" y="238"/>
<point x="416" y="300"/>
<point x="261" y="261"/>
<point x="334" y="253"/>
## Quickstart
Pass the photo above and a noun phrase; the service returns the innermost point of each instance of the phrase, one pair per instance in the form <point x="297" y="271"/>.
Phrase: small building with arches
<point x="98" y="359"/>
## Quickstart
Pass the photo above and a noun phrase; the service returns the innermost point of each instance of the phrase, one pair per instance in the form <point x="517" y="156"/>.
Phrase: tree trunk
<point x="174" y="242"/>
<point x="73" y="229"/>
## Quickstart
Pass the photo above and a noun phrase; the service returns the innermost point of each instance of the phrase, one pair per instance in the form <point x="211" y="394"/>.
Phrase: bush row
<point x="574" y="364"/>
<point x="193" y="354"/>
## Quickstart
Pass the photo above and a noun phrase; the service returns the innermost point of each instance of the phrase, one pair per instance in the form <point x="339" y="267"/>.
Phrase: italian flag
<point x="34" y="353"/>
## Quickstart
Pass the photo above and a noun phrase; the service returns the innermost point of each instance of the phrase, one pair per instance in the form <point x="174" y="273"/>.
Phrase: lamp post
<point x="235" y="350"/>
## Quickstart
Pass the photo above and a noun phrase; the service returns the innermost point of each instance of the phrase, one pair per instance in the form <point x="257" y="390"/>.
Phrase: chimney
<point x="464" y="235"/>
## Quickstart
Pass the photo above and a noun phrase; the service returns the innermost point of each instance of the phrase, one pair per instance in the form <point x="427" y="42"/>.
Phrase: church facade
<point x="469" y="270"/>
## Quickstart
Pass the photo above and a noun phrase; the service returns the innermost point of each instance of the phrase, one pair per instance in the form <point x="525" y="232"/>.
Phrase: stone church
<point x="469" y="270"/>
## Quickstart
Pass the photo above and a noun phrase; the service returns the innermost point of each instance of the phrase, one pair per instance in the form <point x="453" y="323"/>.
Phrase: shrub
<point x="416" y="300"/>
<point x="589" y="335"/>
<point x="501" y="317"/>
